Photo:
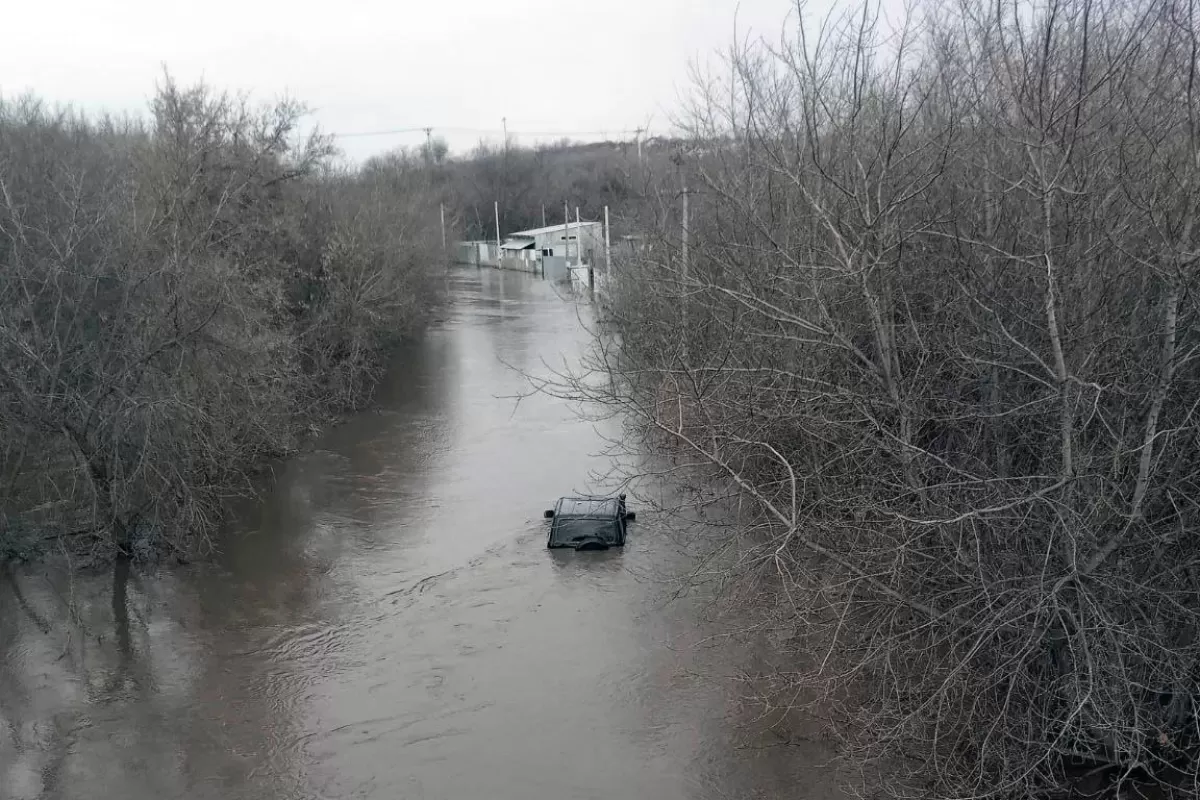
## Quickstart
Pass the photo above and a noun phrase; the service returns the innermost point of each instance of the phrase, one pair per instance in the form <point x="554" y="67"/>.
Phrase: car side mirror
<point x="548" y="513"/>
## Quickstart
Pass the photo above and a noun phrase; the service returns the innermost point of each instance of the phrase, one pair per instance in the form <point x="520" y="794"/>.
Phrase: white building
<point x="552" y="251"/>
<point x="573" y="242"/>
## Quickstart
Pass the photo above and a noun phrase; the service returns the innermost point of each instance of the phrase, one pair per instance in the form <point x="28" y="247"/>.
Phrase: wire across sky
<point x="511" y="132"/>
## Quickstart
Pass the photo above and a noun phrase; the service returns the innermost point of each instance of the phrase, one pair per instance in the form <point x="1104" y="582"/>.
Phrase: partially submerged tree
<point x="177" y="299"/>
<point x="931" y="312"/>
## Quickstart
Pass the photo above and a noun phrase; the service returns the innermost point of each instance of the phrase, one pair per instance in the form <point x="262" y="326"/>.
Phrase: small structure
<point x="520" y="254"/>
<point x="582" y="241"/>
<point x="553" y="249"/>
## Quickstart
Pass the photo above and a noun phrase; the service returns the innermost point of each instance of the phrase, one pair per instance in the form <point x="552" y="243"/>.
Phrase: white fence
<point x="478" y="254"/>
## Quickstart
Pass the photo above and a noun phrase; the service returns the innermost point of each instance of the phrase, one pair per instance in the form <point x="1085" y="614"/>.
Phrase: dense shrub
<point x="934" y="319"/>
<point x="179" y="298"/>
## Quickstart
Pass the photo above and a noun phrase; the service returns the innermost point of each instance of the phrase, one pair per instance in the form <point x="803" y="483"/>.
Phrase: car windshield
<point x="566" y="531"/>
<point x="588" y="507"/>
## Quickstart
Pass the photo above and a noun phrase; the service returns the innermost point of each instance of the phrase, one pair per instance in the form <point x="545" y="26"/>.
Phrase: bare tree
<point x="176" y="299"/>
<point x="936" y="327"/>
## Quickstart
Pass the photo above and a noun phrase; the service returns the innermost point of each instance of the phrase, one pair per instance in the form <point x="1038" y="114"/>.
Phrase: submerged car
<point x="588" y="523"/>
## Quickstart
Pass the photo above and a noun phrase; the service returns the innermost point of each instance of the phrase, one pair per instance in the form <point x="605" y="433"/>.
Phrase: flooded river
<point x="387" y="622"/>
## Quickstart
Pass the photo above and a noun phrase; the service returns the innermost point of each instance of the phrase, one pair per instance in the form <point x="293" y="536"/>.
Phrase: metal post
<point x="607" y="245"/>
<point x="497" y="207"/>
<point x="567" y="236"/>
<point x="543" y="215"/>
<point x="683" y="250"/>
<point x="442" y="206"/>
<point x="579" y="246"/>
<point x="683" y="253"/>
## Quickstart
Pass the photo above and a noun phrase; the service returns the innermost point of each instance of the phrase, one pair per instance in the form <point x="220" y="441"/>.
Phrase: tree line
<point x="922" y="297"/>
<point x="533" y="184"/>
<point x="186" y="295"/>
<point x="182" y="297"/>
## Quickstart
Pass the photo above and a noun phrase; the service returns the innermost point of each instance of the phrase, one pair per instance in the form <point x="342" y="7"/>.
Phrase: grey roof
<point x="553" y="228"/>
<point x="510" y="245"/>
<point x="603" y="507"/>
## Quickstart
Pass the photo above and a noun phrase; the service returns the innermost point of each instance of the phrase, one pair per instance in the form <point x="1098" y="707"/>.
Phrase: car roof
<point x="594" y="507"/>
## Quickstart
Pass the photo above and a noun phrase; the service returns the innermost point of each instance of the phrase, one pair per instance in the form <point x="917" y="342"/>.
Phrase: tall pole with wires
<point x="607" y="246"/>
<point x="684" y="235"/>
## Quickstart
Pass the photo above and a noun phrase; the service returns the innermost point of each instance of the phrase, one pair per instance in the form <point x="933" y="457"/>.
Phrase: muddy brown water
<point x="387" y="622"/>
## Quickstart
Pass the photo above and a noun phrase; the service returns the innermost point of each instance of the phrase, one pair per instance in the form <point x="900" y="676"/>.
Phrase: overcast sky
<point x="459" y="66"/>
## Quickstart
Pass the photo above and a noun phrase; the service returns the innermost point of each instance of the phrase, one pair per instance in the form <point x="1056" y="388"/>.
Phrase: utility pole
<point x="429" y="146"/>
<point x="683" y="251"/>
<point x="543" y="215"/>
<point x="566" y="235"/>
<point x="639" y="145"/>
<point x="579" y="239"/>
<point x="442" y="206"/>
<point x="504" y="122"/>
<point x="497" y="207"/>
<point x="607" y="246"/>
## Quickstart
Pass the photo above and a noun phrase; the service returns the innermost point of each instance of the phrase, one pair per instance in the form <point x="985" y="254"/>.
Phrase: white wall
<point x="591" y="237"/>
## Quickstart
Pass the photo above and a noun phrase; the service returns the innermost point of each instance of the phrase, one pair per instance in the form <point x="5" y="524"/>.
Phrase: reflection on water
<point x="387" y="622"/>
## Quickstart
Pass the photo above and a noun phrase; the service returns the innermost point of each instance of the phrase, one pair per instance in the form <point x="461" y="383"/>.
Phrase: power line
<point x="454" y="129"/>
<point x="379" y="133"/>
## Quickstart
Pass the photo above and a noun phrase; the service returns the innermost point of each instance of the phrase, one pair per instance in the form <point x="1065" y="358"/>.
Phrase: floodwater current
<point x="386" y="621"/>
